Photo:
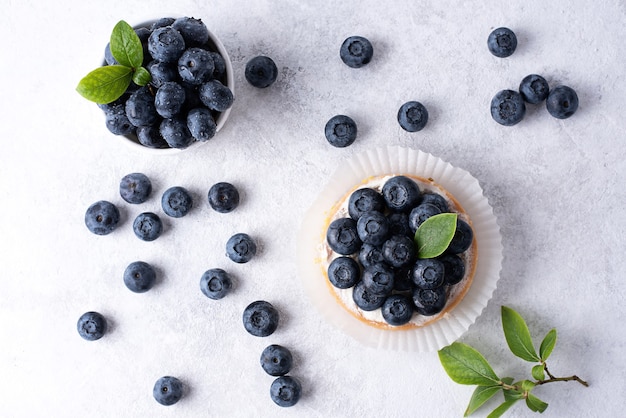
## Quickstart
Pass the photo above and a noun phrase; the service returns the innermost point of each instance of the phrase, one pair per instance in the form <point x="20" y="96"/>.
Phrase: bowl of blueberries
<point x="189" y="93"/>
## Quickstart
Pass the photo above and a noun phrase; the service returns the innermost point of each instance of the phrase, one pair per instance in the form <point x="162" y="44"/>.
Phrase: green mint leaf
<point x="105" y="84"/>
<point x="500" y="410"/>
<point x="126" y="46"/>
<point x="465" y="365"/>
<point x="517" y="335"/>
<point x="538" y="372"/>
<point x="547" y="345"/>
<point x="481" y="395"/>
<point x="141" y="76"/>
<point x="535" y="404"/>
<point x="435" y="234"/>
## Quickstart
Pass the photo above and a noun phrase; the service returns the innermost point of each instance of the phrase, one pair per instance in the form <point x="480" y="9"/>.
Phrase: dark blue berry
<point x="117" y="121"/>
<point x="223" y="197"/>
<point x="365" y="200"/>
<point x="140" y="108"/>
<point x="365" y="299"/>
<point x="139" y="276"/>
<point x="562" y="102"/>
<point x="91" y="326"/>
<point x="260" y="318"/>
<point x="261" y="71"/>
<point x="420" y="213"/>
<point x="534" y="88"/>
<point x="370" y="254"/>
<point x="344" y="272"/>
<point x="401" y="194"/>
<point x="215" y="283"/>
<point x="428" y="273"/>
<point x="437" y="200"/>
<point x="402" y="280"/>
<point x="150" y="136"/>
<point x="285" y="391"/>
<point x="429" y="301"/>
<point x="502" y="42"/>
<point x="176" y="133"/>
<point x="196" y="66"/>
<point x="144" y="34"/>
<point x="166" y="44"/>
<point x="399" y="251"/>
<point x="176" y="202"/>
<point x="340" y="131"/>
<point x="240" y="248"/>
<point x="167" y="390"/>
<point x="169" y="99"/>
<point x="454" y="268"/>
<point x="397" y="309"/>
<point x="399" y="224"/>
<point x="507" y="107"/>
<point x="463" y="237"/>
<point x="373" y="228"/>
<point x="215" y="95"/>
<point x="147" y="226"/>
<point x="219" y="64"/>
<point x="135" y="188"/>
<point x="193" y="31"/>
<point x="342" y="236"/>
<point x="201" y="124"/>
<point x="356" y="51"/>
<point x="378" y="279"/>
<point x="102" y="217"/>
<point x="412" y="116"/>
<point x="276" y="360"/>
<point x="161" y="72"/>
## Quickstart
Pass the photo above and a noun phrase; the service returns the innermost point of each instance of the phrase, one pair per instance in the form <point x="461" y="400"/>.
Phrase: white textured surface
<point x="556" y="187"/>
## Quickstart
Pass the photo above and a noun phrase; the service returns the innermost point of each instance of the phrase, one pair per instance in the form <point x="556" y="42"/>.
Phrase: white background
<point x="556" y="187"/>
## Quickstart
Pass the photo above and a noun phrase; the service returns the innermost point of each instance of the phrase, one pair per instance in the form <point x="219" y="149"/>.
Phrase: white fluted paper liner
<point x="466" y="190"/>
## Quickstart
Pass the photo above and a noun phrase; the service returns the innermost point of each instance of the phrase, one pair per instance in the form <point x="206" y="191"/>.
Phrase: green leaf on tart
<point x="434" y="235"/>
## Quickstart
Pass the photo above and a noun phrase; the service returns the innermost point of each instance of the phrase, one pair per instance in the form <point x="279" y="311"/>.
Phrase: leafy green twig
<point x="465" y="365"/>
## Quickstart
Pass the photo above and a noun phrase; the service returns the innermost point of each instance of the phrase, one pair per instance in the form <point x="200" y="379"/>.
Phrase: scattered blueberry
<point x="223" y="197"/>
<point x="507" y="107"/>
<point x="285" y="391"/>
<point x="276" y="360"/>
<point x="373" y="228"/>
<point x="344" y="272"/>
<point x="140" y="108"/>
<point x="429" y="301"/>
<point x="562" y="102"/>
<point x="398" y="251"/>
<point x="201" y="124"/>
<point x="412" y="116"/>
<point x="169" y="99"/>
<point x="91" y="326"/>
<point x="378" y="279"/>
<point x="420" y="213"/>
<point x="139" y="276"/>
<point x="401" y="194"/>
<point x="454" y="268"/>
<point x="534" y="88"/>
<point x="340" y="131"/>
<point x="342" y="236"/>
<point x="260" y="318"/>
<point x="216" y="96"/>
<point x="167" y="390"/>
<point x="370" y="254"/>
<point x="397" y="309"/>
<point x="261" y="71"/>
<point x="135" y="188"/>
<point x="176" y="133"/>
<point x="147" y="226"/>
<point x="176" y="202"/>
<point x="502" y="42"/>
<point x="240" y="248"/>
<point x="215" y="283"/>
<point x="364" y="200"/>
<point x="463" y="237"/>
<point x="365" y="299"/>
<point x="193" y="31"/>
<point x="428" y="273"/>
<point x="166" y="44"/>
<point x="356" y="51"/>
<point x="102" y="217"/>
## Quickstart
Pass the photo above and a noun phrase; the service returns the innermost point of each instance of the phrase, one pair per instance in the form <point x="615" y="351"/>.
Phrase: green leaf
<point x="535" y="404"/>
<point x="105" y="84"/>
<point x="547" y="345"/>
<point x="513" y="394"/>
<point x="517" y="335"/>
<point x="141" y="76"/>
<point x="435" y="234"/>
<point x="126" y="46"/>
<point x="538" y="372"/>
<point x="500" y="410"/>
<point x="527" y="385"/>
<point x="481" y="395"/>
<point x="467" y="366"/>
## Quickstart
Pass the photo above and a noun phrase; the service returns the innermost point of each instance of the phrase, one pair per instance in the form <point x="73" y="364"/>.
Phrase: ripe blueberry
<point x="412" y="116"/>
<point x="399" y="251"/>
<point x="401" y="194"/>
<point x="365" y="299"/>
<point x="356" y="51"/>
<point x="166" y="44"/>
<point x="397" y="309"/>
<point x="260" y="318"/>
<point x="193" y="31"/>
<point x="378" y="279"/>
<point x="240" y="248"/>
<point x="215" y="283"/>
<point x="139" y="276"/>
<point x="534" y="88"/>
<point x="169" y="99"/>
<point x="176" y="133"/>
<point x="140" y="108"/>
<point x="507" y="107"/>
<point x="373" y="228"/>
<point x="167" y="390"/>
<point x="344" y="272"/>
<point x="201" y="124"/>
<point x="176" y="202"/>
<point x="196" y="66"/>
<point x="365" y="200"/>
<point x="562" y="102"/>
<point x="342" y="236"/>
<point x="428" y="273"/>
<point x="285" y="391"/>
<point x="454" y="268"/>
<point x="420" y="213"/>
<point x="150" y="136"/>
<point x="276" y="360"/>
<point x="215" y="95"/>
<point x="91" y="326"/>
<point x="370" y="254"/>
<point x="261" y="71"/>
<point x="223" y="197"/>
<point x="135" y="188"/>
<point x="147" y="226"/>
<point x="102" y="217"/>
<point x="502" y="42"/>
<point x="429" y="301"/>
<point x="340" y="131"/>
<point x="463" y="237"/>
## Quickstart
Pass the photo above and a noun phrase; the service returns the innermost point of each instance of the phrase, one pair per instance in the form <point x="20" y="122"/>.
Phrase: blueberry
<point x="502" y="42"/>
<point x="399" y="251"/>
<point x="412" y="116"/>
<point x="176" y="133"/>
<point x="370" y="254"/>
<point x="365" y="299"/>
<point x="507" y="107"/>
<point x="285" y="391"/>
<point x="166" y="44"/>
<point x="140" y="108"/>
<point x="143" y="34"/>
<point x="162" y="22"/>
<point x="402" y="280"/>
<point x="365" y="200"/>
<point x="196" y="66"/>
<point x="216" y="96"/>
<point x="342" y="236"/>
<point x="139" y="276"/>
<point x="260" y="318"/>
<point x="223" y="197"/>
<point x="261" y="71"/>
<point x="356" y="51"/>
<point x="340" y="131"/>
<point x="192" y="97"/>
<point x="463" y="238"/>
<point x="454" y="268"/>
<point x="276" y="360"/>
<point x="397" y="309"/>
<point x="378" y="279"/>
<point x="169" y="99"/>
<point x="147" y="226"/>
<point x="401" y="194"/>
<point x="167" y="390"/>
<point x="344" y="272"/>
<point x="116" y="120"/>
<point x="193" y="31"/>
<point x="135" y="188"/>
<point x="201" y="124"/>
<point x="176" y="202"/>
<point x="399" y="224"/>
<point x="437" y="200"/>
<point x="219" y="64"/>
<point x="215" y="283"/>
<point x="562" y="102"/>
<point x="373" y="228"/>
<point x="420" y="213"/>
<point x="429" y="301"/>
<point x="150" y="136"/>
<point x="240" y="248"/>
<point x="161" y="72"/>
<point x="428" y="273"/>
<point x="91" y="326"/>
<point x="102" y="217"/>
<point x="534" y="88"/>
